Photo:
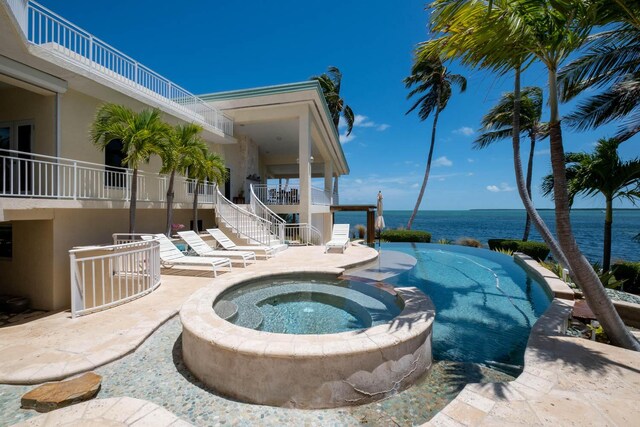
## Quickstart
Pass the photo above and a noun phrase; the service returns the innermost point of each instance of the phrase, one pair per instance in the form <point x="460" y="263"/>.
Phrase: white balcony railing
<point x="105" y="276"/>
<point x="38" y="176"/>
<point x="50" y="31"/>
<point x="263" y="211"/>
<point x="302" y="234"/>
<point x="290" y="195"/>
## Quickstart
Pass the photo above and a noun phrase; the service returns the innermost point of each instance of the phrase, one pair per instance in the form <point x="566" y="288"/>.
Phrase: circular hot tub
<point x="307" y="340"/>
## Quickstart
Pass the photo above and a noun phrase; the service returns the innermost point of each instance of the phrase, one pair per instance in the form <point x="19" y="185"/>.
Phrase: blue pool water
<point x="485" y="302"/>
<point x="307" y="305"/>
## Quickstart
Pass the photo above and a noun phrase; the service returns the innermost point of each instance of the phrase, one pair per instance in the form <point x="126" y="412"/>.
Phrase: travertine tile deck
<point x="566" y="381"/>
<point x="58" y="346"/>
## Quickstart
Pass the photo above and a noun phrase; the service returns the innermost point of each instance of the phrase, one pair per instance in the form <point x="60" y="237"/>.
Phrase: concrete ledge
<point x="306" y="371"/>
<point x="553" y="283"/>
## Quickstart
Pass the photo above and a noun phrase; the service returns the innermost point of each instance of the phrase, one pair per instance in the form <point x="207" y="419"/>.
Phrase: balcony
<point x="29" y="175"/>
<point x="283" y="195"/>
<point x="56" y="35"/>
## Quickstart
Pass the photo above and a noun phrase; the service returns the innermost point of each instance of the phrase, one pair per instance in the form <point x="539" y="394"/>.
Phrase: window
<point x="6" y="240"/>
<point x="114" y="173"/>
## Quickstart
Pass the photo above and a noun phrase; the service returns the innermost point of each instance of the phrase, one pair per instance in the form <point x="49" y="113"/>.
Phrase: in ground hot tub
<point x="307" y="340"/>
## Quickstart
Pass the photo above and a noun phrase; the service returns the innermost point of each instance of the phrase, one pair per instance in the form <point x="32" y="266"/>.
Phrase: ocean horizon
<point x="485" y="224"/>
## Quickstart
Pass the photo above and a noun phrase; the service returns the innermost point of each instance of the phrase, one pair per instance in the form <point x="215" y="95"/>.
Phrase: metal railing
<point x="261" y="210"/>
<point x="105" y="276"/>
<point x="302" y="234"/>
<point x="290" y="195"/>
<point x="50" y="31"/>
<point x="33" y="175"/>
<point x="244" y="223"/>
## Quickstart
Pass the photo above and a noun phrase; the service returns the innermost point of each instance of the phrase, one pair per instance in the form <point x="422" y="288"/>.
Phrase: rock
<point x="54" y="395"/>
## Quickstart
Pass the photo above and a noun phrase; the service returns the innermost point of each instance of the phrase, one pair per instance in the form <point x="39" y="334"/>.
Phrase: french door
<point x="16" y="140"/>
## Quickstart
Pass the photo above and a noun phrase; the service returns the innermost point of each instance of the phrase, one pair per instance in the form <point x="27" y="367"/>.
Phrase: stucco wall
<point x="18" y="104"/>
<point x="30" y="271"/>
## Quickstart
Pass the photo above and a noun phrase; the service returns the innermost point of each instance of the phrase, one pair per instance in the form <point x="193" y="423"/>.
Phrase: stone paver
<point x="57" y="346"/>
<point x="55" y="395"/>
<point x="566" y="381"/>
<point x="120" y="411"/>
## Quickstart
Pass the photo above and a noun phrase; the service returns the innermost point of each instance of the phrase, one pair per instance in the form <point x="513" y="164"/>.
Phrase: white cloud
<point x="361" y="121"/>
<point x="470" y="160"/>
<point x="543" y="152"/>
<point x="465" y="130"/>
<point x="503" y="187"/>
<point x="416" y="185"/>
<point x="383" y="127"/>
<point x="442" y="161"/>
<point x="344" y="138"/>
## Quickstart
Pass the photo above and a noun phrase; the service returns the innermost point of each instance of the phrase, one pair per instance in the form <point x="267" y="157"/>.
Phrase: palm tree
<point x="330" y="82"/>
<point x="205" y="166"/>
<point x="612" y="59"/>
<point x="433" y="82"/>
<point x="601" y="172"/>
<point x="547" y="31"/>
<point x="182" y="145"/>
<point x="142" y="135"/>
<point x="497" y="124"/>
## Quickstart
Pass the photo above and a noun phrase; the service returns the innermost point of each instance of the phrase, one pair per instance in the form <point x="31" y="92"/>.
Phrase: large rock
<point x="54" y="395"/>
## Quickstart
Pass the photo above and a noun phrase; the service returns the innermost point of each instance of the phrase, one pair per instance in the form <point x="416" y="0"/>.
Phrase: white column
<point x="304" y="164"/>
<point x="328" y="188"/>
<point x="328" y="177"/>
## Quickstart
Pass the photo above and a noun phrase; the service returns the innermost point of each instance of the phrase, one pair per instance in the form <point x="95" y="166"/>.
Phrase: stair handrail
<point x="236" y="217"/>
<point x="260" y="209"/>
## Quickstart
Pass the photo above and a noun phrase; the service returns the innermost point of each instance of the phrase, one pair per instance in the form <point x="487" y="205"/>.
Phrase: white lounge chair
<point x="170" y="255"/>
<point x="202" y="248"/>
<point x="339" y="238"/>
<point x="228" y="244"/>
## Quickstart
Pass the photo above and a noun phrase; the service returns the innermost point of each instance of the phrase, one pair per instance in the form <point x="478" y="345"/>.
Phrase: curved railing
<point x="245" y="223"/>
<point x="260" y="209"/>
<point x="105" y="276"/>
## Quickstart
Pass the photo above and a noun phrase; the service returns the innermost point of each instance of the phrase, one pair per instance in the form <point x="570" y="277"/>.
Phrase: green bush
<point x="406" y="236"/>
<point x="536" y="250"/>
<point x="630" y="273"/>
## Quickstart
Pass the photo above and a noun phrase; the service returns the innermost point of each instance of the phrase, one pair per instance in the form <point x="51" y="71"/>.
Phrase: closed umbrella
<point x="379" y="217"/>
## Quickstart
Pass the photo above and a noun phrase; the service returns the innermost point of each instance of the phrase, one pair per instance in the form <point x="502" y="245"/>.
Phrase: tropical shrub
<point x="361" y="230"/>
<point x="536" y="250"/>
<point x="468" y="241"/>
<point x="629" y="272"/>
<point x="406" y="236"/>
<point x="444" y="242"/>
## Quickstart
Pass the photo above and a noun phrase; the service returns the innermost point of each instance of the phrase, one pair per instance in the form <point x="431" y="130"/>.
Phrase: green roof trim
<point x="278" y="89"/>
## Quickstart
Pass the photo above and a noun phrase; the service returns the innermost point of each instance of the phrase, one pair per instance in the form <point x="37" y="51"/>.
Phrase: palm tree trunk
<point x="520" y="182"/>
<point x="170" y="196"/>
<point x="427" y="170"/>
<point x="133" y="199"/>
<point x="527" y="223"/>
<point x="581" y="270"/>
<point x="196" y="189"/>
<point x="608" y="222"/>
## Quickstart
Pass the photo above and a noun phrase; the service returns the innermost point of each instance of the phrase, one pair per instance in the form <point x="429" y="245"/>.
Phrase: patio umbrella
<point x="379" y="217"/>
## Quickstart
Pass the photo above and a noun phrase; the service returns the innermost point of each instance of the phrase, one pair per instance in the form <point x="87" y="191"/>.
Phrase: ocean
<point x="588" y="227"/>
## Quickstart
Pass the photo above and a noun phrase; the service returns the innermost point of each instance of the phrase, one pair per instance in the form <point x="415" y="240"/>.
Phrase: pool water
<point x="485" y="302"/>
<point x="311" y="305"/>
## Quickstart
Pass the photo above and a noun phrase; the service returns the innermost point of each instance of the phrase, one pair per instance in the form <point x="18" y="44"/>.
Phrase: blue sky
<point x="210" y="46"/>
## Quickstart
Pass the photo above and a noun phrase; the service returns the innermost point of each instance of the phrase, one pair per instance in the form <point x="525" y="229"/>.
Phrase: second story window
<point x="114" y="173"/>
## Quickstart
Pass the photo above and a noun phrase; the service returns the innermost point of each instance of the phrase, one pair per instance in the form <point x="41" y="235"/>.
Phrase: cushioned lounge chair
<point x="202" y="248"/>
<point x="170" y="255"/>
<point x="229" y="245"/>
<point x="339" y="238"/>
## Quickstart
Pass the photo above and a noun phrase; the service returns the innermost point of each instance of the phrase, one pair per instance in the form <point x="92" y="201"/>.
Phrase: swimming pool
<point x="485" y="302"/>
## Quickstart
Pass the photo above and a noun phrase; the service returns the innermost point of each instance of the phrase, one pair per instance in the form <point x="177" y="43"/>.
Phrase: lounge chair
<point x="170" y="255"/>
<point x="339" y="238"/>
<point x="228" y="244"/>
<point x="202" y="248"/>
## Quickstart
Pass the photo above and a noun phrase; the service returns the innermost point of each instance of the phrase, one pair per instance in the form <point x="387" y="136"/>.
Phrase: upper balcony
<point x="62" y="39"/>
<point x="28" y="175"/>
<point x="287" y="195"/>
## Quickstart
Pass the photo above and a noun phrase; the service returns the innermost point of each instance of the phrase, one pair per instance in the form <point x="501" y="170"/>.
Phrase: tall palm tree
<point x="205" y="166"/>
<point x="612" y="60"/>
<point x="142" y="135"/>
<point x="432" y="81"/>
<point x="497" y="125"/>
<point x="601" y="172"/>
<point x="182" y="145"/>
<point x="331" y="82"/>
<point x="547" y="31"/>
